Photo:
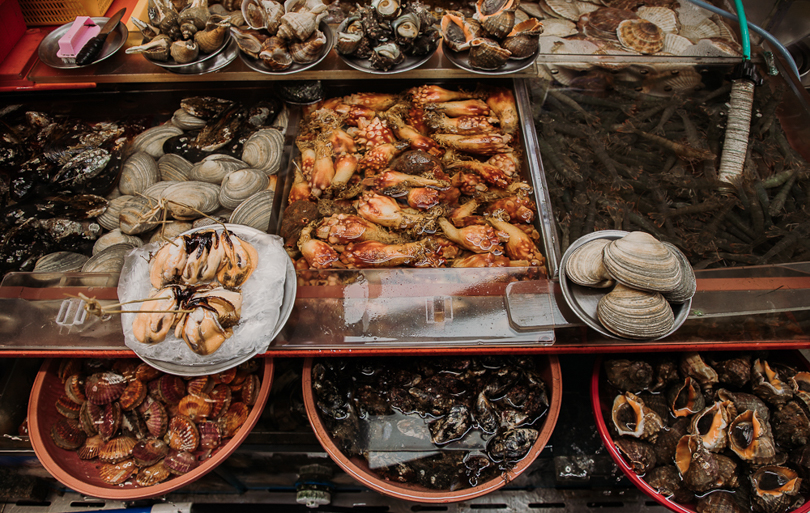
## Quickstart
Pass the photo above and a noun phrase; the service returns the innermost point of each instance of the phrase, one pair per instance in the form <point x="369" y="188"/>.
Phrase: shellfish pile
<point x="723" y="432"/>
<point x="386" y="32"/>
<point x="491" y="408"/>
<point x="429" y="178"/>
<point x="144" y="426"/>
<point x="645" y="275"/>
<point x="196" y="280"/>
<point x="492" y="35"/>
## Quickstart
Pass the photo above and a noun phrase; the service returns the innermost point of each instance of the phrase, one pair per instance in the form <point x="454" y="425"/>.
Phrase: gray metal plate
<point x="261" y="67"/>
<point x="364" y="65"/>
<point x="462" y="60"/>
<point x="50" y="45"/>
<point x="205" y="64"/>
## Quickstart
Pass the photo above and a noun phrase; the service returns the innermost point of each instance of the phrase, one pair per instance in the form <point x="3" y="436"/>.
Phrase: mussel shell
<point x="239" y="185"/>
<point x="60" y="262"/>
<point x="138" y="215"/>
<point x="139" y="171"/>
<point x="117" y="449"/>
<point x="108" y="260"/>
<point x="185" y="200"/>
<point x="151" y="140"/>
<point x="67" y="434"/>
<point x="263" y="150"/>
<point x="150" y="451"/>
<point x="115" y="237"/>
<point x="635" y="314"/>
<point x="214" y="168"/>
<point x="174" y="167"/>
<point x="109" y="219"/>
<point x="585" y="267"/>
<point x="255" y="211"/>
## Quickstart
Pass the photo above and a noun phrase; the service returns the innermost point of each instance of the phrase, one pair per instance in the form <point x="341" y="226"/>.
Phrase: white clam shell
<point x="139" y="172"/>
<point x="688" y="285"/>
<point x="116" y="237"/>
<point x="240" y="185"/>
<point x="170" y="230"/>
<point x="585" y="267"/>
<point x="109" y="219"/>
<point x="185" y="200"/>
<point x="185" y="121"/>
<point x="255" y="211"/>
<point x="109" y="260"/>
<point x="115" y="193"/>
<point x="156" y="191"/>
<point x="138" y="215"/>
<point x="214" y="168"/>
<point x="174" y="167"/>
<point x="641" y="261"/>
<point x="666" y="19"/>
<point x="60" y="262"/>
<point x="635" y="314"/>
<point x="151" y="140"/>
<point x="263" y="150"/>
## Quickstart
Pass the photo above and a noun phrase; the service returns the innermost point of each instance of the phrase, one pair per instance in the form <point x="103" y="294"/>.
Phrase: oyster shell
<point x="584" y="266"/>
<point x="112" y="238"/>
<point x="108" y="260"/>
<point x="60" y="261"/>
<point x="213" y="168"/>
<point x="456" y="32"/>
<point x="151" y="141"/>
<point x="697" y="465"/>
<point x="750" y="438"/>
<point x="487" y="54"/>
<point x="255" y="211"/>
<point x="240" y="185"/>
<point x="189" y="200"/>
<point x="632" y="418"/>
<point x="109" y="219"/>
<point x="138" y="172"/>
<point x="138" y="215"/>
<point x="774" y="488"/>
<point x="635" y="314"/>
<point x="640" y="261"/>
<point x="640" y="36"/>
<point x="263" y="150"/>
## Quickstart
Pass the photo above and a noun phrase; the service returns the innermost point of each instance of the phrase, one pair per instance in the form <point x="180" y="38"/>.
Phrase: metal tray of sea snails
<point x="438" y="303"/>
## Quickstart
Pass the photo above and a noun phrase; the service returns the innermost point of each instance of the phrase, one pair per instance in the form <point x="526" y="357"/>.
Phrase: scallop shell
<point x="91" y="448"/>
<point x="153" y="475"/>
<point x="210" y="435"/>
<point x="67" y="408"/>
<point x="117" y="474"/>
<point x="150" y="451"/>
<point x="170" y="230"/>
<point x="115" y="237"/>
<point x="109" y="219"/>
<point x="60" y="262"/>
<point x="584" y="266"/>
<point x="255" y="211"/>
<point x="213" y="168"/>
<point x="635" y="314"/>
<point x="714" y="47"/>
<point x="639" y="260"/>
<point x="221" y="396"/>
<point x="151" y="140"/>
<point x="117" y="450"/>
<point x="640" y="36"/>
<point x="564" y="9"/>
<point x="675" y="44"/>
<point x="74" y="388"/>
<point x="664" y="18"/>
<point x="263" y="150"/>
<point x="703" y="29"/>
<point x="67" y="434"/>
<point x="108" y="421"/>
<point x="688" y="284"/>
<point x="559" y="27"/>
<point x="240" y="185"/>
<point x="171" y="388"/>
<point x="104" y="387"/>
<point x="185" y="121"/>
<point x="195" y="406"/>
<point x="726" y="32"/>
<point x="138" y="215"/>
<point x="108" y="260"/>
<point x="133" y="395"/>
<point x="185" y="200"/>
<point x="667" y="83"/>
<point x="250" y="389"/>
<point x="180" y="462"/>
<point x="155" y="191"/>
<point x="183" y="435"/>
<point x="532" y="9"/>
<point x="156" y="419"/>
<point x="486" y="54"/>
<point x="146" y="372"/>
<point x="174" y="167"/>
<point x="233" y="419"/>
<point x="138" y="173"/>
<point x="603" y="23"/>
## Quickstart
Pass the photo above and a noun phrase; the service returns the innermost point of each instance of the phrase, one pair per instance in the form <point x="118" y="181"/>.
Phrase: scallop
<point x="170" y="230"/>
<point x="151" y="140"/>
<point x="664" y="18"/>
<point x="635" y="314"/>
<point x="109" y="219"/>
<point x="240" y="185"/>
<point x="585" y="267"/>
<point x="263" y="150"/>
<point x="640" y="36"/>
<point x="116" y="237"/>
<point x="703" y="28"/>
<point x="559" y="27"/>
<point x="675" y="44"/>
<point x="186" y="201"/>
<point x="185" y="121"/>
<point x="139" y="172"/>
<point x="564" y="9"/>
<point x="108" y="260"/>
<point x="255" y="211"/>
<point x="138" y="215"/>
<point x="174" y="167"/>
<point x="60" y="262"/>
<point x="639" y="260"/>
<point x="213" y="168"/>
<point x="155" y="191"/>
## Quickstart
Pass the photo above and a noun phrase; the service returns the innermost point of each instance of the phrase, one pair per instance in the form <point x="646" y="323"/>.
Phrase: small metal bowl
<point x="205" y="63"/>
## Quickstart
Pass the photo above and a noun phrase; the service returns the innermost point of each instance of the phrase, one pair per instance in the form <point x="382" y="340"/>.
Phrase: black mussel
<point x="221" y="130"/>
<point x="264" y="112"/>
<point x="512" y="445"/>
<point x="205" y="107"/>
<point x="82" y="168"/>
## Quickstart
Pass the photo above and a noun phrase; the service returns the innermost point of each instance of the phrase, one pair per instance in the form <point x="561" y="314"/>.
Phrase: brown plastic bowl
<point x="357" y="467"/>
<point x="81" y="475"/>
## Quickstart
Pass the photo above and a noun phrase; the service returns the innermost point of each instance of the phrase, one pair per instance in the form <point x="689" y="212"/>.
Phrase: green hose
<point x="744" y="35"/>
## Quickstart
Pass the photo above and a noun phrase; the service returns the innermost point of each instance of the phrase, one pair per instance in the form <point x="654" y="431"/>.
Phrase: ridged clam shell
<point x="185" y="199"/>
<point x="639" y="260"/>
<point x="138" y="215"/>
<point x="150" y="451"/>
<point x="108" y="260"/>
<point x="60" y="262"/>
<point x="138" y="173"/>
<point x="213" y="168"/>
<point x="170" y="230"/>
<point x="263" y="150"/>
<point x="635" y="314"/>
<point x="255" y="211"/>
<point x="185" y="121"/>
<point x="155" y="191"/>
<point x="640" y="36"/>
<point x="174" y="167"/>
<point x="664" y="18"/>
<point x="115" y="237"/>
<point x="675" y="44"/>
<point x="151" y="140"/>
<point x="688" y="284"/>
<point x="240" y="185"/>
<point x="116" y="474"/>
<point x="585" y="267"/>
<point x="117" y="450"/>
<point x="109" y="219"/>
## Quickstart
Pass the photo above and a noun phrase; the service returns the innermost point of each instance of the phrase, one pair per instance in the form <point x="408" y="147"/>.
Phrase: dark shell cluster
<point x="144" y="426"/>
<point x="489" y="410"/>
<point x="724" y="432"/>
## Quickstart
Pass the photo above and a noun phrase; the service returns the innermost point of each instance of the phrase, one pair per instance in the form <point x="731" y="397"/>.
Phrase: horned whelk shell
<point x="497" y="17"/>
<point x="486" y="54"/>
<point x="240" y="185"/>
<point x="635" y="313"/>
<point x="213" y="168"/>
<point x="275" y="54"/>
<point x="112" y="238"/>
<point x="750" y="437"/>
<point x="456" y="31"/>
<point x="254" y="211"/>
<point x="151" y="140"/>
<point x="138" y="173"/>
<point x="639" y="260"/>
<point x="108" y="260"/>
<point x="697" y="465"/>
<point x="631" y="417"/>
<point x="774" y="488"/>
<point x="60" y="261"/>
<point x="523" y="40"/>
<point x="640" y="36"/>
<point x="585" y="267"/>
<point x="185" y="200"/>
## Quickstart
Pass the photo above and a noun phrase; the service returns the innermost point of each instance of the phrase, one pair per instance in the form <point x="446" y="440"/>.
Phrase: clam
<point x="523" y="40"/>
<point x="263" y="150"/>
<point x="138" y="173"/>
<point x="117" y="473"/>
<point x="275" y="54"/>
<point x="774" y="488"/>
<point x="640" y="36"/>
<point x="213" y="168"/>
<point x="109" y="220"/>
<point x="240" y="185"/>
<point x="347" y="42"/>
<point x="151" y="141"/>
<point x="60" y="262"/>
<point x="155" y="191"/>
<point x="456" y="31"/>
<point x="150" y="451"/>
<point x="108" y="260"/>
<point x="255" y="211"/>
<point x="190" y="200"/>
<point x="115" y="237"/>
<point x="640" y="261"/>
<point x="750" y="437"/>
<point x="688" y="285"/>
<point x="67" y="434"/>
<point x="486" y="54"/>
<point x="585" y="267"/>
<point x="632" y="418"/>
<point x="152" y="475"/>
<point x="635" y="314"/>
<point x="214" y="219"/>
<point x="210" y="39"/>
<point x="170" y="230"/>
<point x="697" y="465"/>
<point x="138" y="215"/>
<point x="185" y="121"/>
<point x="304" y="52"/>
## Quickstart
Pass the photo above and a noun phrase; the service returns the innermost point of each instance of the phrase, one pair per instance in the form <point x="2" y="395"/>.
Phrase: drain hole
<point x="488" y="506"/>
<point x="547" y="505"/>
<point x="428" y="508"/>
<point x="43" y="504"/>
<point x="605" y="505"/>
<point x="87" y="504"/>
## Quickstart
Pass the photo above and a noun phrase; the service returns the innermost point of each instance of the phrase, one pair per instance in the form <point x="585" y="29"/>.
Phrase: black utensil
<point x="91" y="49"/>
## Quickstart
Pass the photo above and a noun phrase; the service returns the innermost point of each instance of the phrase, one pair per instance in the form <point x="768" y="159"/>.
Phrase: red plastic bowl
<point x="602" y="401"/>
<point x="81" y="475"/>
<point x="357" y="467"/>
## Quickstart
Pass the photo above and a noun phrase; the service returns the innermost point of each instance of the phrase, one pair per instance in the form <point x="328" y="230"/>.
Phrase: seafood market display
<point x="717" y="432"/>
<point x="144" y="427"/>
<point x="386" y="32"/>
<point x="428" y="178"/>
<point x="73" y="189"/>
<point x="441" y="423"/>
<point x="645" y="275"/>
<point x="638" y="150"/>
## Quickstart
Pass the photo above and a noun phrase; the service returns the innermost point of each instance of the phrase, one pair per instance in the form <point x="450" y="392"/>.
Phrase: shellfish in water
<point x="774" y="488"/>
<point x="635" y="314"/>
<point x="697" y="465"/>
<point x="632" y="418"/>
<point x="749" y="436"/>
<point x="585" y="267"/>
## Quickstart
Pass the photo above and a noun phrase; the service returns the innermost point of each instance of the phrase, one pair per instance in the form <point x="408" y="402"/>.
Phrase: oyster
<point x="635" y="314"/>
<point x="456" y="32"/>
<point x="487" y="54"/>
<point x="774" y="488"/>
<point x="453" y="426"/>
<point x="697" y="465"/>
<point x="750" y="438"/>
<point x="512" y="445"/>
<point x="632" y="418"/>
<point x="640" y="261"/>
<point x="585" y="267"/>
